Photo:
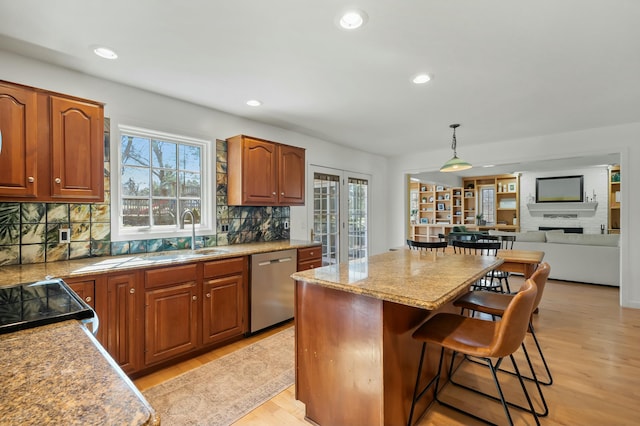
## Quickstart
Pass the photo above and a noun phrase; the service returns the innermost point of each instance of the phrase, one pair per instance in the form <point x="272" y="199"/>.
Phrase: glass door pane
<point x="326" y="202"/>
<point x="357" y="216"/>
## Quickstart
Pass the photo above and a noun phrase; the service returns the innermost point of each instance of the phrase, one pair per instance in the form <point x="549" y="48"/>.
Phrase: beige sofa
<point x="587" y="258"/>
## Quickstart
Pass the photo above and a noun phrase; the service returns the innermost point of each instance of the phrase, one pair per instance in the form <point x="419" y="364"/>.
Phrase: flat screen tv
<point x="560" y="189"/>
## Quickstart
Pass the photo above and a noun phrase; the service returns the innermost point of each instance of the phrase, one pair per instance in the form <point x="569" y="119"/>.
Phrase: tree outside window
<point x="159" y="180"/>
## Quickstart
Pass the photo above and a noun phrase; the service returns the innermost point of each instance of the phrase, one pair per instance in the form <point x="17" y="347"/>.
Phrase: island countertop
<point x="59" y="374"/>
<point x="420" y="279"/>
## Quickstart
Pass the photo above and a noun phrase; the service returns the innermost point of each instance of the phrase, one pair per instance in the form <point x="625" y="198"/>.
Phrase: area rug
<point x="225" y="389"/>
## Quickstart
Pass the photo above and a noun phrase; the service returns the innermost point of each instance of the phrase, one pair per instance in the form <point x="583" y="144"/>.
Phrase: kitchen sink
<point x="210" y="250"/>
<point x="175" y="256"/>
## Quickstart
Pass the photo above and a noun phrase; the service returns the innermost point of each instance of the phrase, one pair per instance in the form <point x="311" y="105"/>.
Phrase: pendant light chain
<point x="453" y="143"/>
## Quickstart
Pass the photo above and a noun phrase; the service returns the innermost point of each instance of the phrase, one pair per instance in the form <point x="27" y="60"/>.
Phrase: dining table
<point x="523" y="262"/>
<point x="356" y="360"/>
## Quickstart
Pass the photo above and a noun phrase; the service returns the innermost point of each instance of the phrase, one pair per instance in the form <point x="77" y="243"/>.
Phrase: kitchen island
<point x="355" y="358"/>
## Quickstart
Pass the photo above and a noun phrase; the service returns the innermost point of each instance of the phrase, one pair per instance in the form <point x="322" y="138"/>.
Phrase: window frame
<point x="207" y="225"/>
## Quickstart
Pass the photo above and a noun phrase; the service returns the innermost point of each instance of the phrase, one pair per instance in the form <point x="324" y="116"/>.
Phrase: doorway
<point x="340" y="214"/>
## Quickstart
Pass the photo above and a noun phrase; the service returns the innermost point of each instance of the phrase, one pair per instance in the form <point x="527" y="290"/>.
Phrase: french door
<point x="340" y="213"/>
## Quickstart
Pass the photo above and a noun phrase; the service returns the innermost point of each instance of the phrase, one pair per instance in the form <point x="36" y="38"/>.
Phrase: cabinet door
<point x="259" y="177"/>
<point x="77" y="149"/>
<point x="291" y="175"/>
<point x="170" y="322"/>
<point x="120" y="321"/>
<point x="222" y="308"/>
<point x="18" y="142"/>
<point x="84" y="289"/>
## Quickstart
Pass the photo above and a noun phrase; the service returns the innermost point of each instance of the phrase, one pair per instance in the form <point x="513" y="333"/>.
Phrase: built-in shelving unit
<point x="439" y="208"/>
<point x="506" y="200"/>
<point x="614" y="200"/>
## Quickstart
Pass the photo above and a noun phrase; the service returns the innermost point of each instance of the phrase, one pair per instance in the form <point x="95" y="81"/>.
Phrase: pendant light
<point x="455" y="164"/>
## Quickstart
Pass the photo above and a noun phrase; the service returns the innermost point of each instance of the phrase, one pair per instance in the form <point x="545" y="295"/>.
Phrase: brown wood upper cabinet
<point x="18" y="141"/>
<point x="264" y="173"/>
<point x="51" y="146"/>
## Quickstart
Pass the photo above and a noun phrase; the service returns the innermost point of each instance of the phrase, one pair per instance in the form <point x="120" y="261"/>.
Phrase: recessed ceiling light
<point x="489" y="165"/>
<point x="254" y="103"/>
<point x="421" y="78"/>
<point x="105" y="52"/>
<point x="352" y="19"/>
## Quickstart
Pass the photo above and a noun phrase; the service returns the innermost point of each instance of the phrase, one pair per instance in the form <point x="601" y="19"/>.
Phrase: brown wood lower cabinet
<point x="171" y="314"/>
<point x="190" y="306"/>
<point x="154" y="315"/>
<point x="223" y="305"/>
<point x="85" y="289"/>
<point x="119" y="319"/>
<point x="309" y="258"/>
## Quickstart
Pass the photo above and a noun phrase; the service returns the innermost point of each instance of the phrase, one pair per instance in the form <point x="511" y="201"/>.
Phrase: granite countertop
<point x="421" y="279"/>
<point x="59" y="374"/>
<point x="16" y="274"/>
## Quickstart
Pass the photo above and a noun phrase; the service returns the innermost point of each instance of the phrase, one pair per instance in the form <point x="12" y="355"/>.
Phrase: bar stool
<point x="495" y="305"/>
<point x="478" y="338"/>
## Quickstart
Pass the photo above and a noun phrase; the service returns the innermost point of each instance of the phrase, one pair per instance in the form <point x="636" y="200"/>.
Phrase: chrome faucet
<point x="193" y="226"/>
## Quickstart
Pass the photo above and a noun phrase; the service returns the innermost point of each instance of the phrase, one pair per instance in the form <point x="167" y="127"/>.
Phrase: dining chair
<point x="485" y="340"/>
<point x="479" y="248"/>
<point x="427" y="245"/>
<point x="506" y="243"/>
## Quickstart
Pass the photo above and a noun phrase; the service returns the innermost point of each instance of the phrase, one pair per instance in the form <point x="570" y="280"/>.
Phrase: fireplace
<point x="567" y="230"/>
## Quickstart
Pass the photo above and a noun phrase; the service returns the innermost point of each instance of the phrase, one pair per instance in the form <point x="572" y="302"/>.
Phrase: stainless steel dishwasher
<point x="272" y="288"/>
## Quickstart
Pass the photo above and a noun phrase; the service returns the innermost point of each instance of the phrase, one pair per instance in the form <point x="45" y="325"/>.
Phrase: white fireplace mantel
<point x="586" y="209"/>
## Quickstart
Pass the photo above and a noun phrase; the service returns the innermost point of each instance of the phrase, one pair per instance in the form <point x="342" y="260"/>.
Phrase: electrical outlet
<point x="64" y="235"/>
<point x="286" y="224"/>
<point x="224" y="228"/>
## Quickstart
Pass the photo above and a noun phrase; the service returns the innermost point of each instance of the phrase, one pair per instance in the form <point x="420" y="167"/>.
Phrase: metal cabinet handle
<point x="132" y="290"/>
<point x="87" y="299"/>
<point x="194" y="297"/>
<point x="57" y="180"/>
<point x="311" y="253"/>
<point x="208" y="295"/>
<point x="282" y="193"/>
<point x="31" y="179"/>
<point x="273" y="193"/>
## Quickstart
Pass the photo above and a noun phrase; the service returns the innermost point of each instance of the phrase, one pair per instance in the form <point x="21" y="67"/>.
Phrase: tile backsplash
<point x="29" y="232"/>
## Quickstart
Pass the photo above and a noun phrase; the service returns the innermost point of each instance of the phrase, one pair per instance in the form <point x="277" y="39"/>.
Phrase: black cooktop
<point x="30" y="305"/>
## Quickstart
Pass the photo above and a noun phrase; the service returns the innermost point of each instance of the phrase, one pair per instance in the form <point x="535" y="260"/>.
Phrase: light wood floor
<point x="591" y="344"/>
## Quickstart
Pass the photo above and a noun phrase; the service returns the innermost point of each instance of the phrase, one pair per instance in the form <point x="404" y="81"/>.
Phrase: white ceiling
<point x="503" y="69"/>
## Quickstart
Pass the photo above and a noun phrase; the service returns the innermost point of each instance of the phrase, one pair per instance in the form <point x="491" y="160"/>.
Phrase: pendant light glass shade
<point x="455" y="164"/>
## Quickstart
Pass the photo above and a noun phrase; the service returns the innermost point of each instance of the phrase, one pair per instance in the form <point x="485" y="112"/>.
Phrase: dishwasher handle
<point x="269" y="262"/>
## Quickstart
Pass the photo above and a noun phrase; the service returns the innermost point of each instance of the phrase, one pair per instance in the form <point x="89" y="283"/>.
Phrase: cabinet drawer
<point x="309" y="253"/>
<point x="223" y="267"/>
<point x="171" y="275"/>
<point x="309" y="264"/>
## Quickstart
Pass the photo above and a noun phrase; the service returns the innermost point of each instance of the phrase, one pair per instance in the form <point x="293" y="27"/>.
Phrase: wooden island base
<point x="355" y="358"/>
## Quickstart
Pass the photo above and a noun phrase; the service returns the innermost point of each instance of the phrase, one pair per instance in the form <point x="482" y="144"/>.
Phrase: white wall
<point x="127" y="105"/>
<point x="623" y="139"/>
<point x="595" y="179"/>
